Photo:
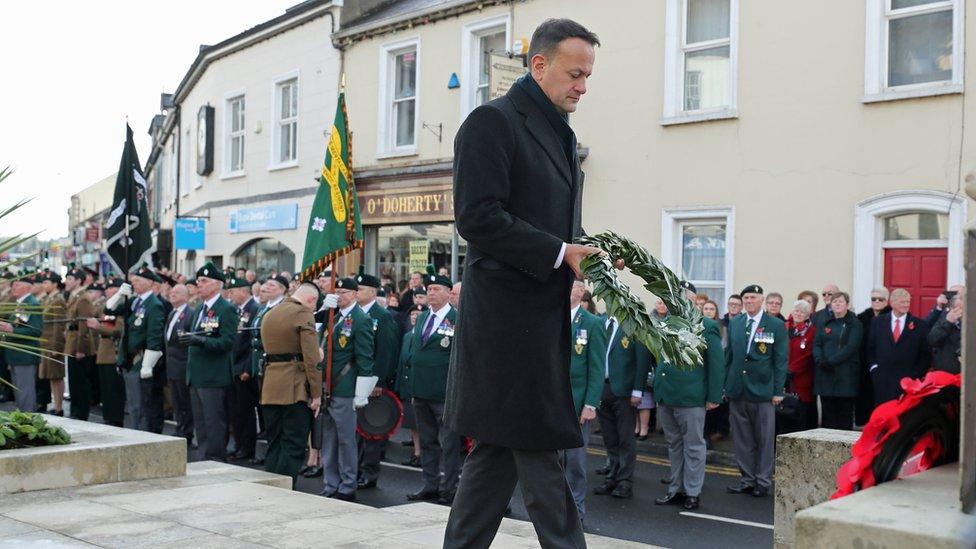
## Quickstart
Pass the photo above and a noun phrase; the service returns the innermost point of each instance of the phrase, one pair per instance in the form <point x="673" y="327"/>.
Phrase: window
<point x="478" y="40"/>
<point x="697" y="245"/>
<point x="398" y="103"/>
<point x="916" y="226"/>
<point x="285" y="140"/>
<point x="234" y="144"/>
<point x="913" y="48"/>
<point x="701" y="49"/>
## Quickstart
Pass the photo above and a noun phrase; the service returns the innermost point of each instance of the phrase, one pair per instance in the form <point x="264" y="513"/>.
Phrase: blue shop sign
<point x="265" y="218"/>
<point x="190" y="234"/>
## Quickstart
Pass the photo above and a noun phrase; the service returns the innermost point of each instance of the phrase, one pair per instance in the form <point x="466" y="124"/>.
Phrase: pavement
<point x="723" y="520"/>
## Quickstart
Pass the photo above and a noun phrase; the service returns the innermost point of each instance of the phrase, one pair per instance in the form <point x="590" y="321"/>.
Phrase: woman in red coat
<point x="801" y="366"/>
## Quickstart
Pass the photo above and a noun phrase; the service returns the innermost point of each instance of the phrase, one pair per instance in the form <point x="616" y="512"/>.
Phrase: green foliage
<point x="24" y="429"/>
<point x="677" y="339"/>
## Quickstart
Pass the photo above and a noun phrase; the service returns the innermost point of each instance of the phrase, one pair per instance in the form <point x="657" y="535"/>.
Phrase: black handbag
<point x="788" y="409"/>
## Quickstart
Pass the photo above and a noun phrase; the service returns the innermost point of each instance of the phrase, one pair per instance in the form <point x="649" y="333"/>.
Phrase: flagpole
<point x="328" y="356"/>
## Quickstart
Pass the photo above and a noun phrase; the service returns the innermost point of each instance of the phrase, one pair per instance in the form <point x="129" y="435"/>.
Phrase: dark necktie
<point x="749" y="334"/>
<point x="203" y="313"/>
<point x="428" y="329"/>
<point x="135" y="306"/>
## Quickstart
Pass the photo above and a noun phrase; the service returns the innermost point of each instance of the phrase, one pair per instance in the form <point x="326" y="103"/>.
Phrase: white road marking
<point x="398" y="466"/>
<point x="726" y="519"/>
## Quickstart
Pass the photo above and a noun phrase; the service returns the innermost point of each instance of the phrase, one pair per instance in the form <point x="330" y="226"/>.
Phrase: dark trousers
<point x="717" y="420"/>
<point x="210" y="420"/>
<point x="440" y="448"/>
<point x="94" y="383"/>
<point x="287" y="430"/>
<point x="838" y="413"/>
<point x="616" y="417"/>
<point x="487" y="483"/>
<point x="43" y="389"/>
<point x="113" y="394"/>
<point x="807" y="419"/>
<point x="182" y="409"/>
<point x="244" y="415"/>
<point x="370" y="453"/>
<point x="151" y="400"/>
<point x="5" y="391"/>
<point x="79" y="385"/>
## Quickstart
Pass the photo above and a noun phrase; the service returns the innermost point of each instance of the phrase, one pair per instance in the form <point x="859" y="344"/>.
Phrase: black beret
<point x="148" y="274"/>
<point x="51" y="276"/>
<point x="209" y="270"/>
<point x="92" y="272"/>
<point x="433" y="278"/>
<point x="688" y="286"/>
<point x="280" y="280"/>
<point x="114" y="283"/>
<point x="752" y="289"/>
<point x="364" y="279"/>
<point x="76" y="273"/>
<point x="347" y="284"/>
<point x="234" y="282"/>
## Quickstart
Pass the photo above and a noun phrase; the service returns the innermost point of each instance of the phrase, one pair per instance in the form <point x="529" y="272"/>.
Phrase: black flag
<point x="128" y="235"/>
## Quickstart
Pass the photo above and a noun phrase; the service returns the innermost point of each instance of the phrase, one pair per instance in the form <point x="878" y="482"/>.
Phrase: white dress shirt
<point x="440" y="315"/>
<point x="172" y="322"/>
<point x="755" y="324"/>
<point x="901" y="318"/>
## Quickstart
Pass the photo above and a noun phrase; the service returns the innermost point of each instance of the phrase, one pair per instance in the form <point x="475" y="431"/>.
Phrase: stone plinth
<point x="98" y="454"/>
<point x="919" y="511"/>
<point x="806" y="472"/>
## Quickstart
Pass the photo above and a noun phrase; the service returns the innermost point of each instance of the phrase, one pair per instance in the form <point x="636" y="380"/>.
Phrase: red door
<point x="921" y="271"/>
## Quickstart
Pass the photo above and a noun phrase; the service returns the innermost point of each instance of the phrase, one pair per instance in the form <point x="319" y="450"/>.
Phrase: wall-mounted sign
<point x="266" y="218"/>
<point x="420" y="204"/>
<point x="205" y="140"/>
<point x="419" y="251"/>
<point x="92" y="233"/>
<point x="503" y="72"/>
<point x="190" y="234"/>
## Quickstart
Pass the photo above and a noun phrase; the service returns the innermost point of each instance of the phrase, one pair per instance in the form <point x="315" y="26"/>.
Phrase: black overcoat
<point x="516" y="200"/>
<point x="909" y="357"/>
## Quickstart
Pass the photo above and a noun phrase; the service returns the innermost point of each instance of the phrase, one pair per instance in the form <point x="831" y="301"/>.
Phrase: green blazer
<point x="759" y="374"/>
<point x="352" y="343"/>
<point x="836" y="353"/>
<point x="693" y="388"/>
<point x="429" y="361"/>
<point x="629" y="362"/>
<point x="403" y="379"/>
<point x="209" y="365"/>
<point x="588" y="363"/>
<point x="145" y="326"/>
<point x="386" y="338"/>
<point x="29" y="322"/>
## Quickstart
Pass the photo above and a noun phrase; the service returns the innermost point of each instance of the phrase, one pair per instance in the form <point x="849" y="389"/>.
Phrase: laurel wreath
<point x="677" y="339"/>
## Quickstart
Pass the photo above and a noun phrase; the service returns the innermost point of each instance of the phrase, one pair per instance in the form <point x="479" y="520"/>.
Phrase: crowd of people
<point x="221" y="356"/>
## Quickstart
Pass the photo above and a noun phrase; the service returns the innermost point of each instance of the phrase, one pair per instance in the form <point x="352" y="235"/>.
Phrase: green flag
<point x="127" y="232"/>
<point x="334" y="227"/>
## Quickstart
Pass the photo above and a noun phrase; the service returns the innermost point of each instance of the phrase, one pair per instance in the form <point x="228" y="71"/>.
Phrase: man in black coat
<point x="179" y="320"/>
<point x="517" y="199"/>
<point x="864" y="403"/>
<point x="945" y="338"/>
<point x="898" y="348"/>
<point x="246" y="395"/>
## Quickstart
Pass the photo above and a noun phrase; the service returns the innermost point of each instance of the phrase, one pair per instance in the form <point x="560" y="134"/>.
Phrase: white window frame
<point x="674" y="66"/>
<point x="471" y="35"/>
<point x="386" y="134"/>
<point x="274" y="163"/>
<point x="229" y="135"/>
<point x="876" y="52"/>
<point x="671" y="221"/>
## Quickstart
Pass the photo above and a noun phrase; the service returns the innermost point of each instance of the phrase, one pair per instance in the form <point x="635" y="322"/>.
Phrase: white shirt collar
<point x="347" y="310"/>
<point x="210" y="302"/>
<point x="367" y="306"/>
<point x="442" y="312"/>
<point x="179" y="309"/>
<point x="756" y="318"/>
<point x="572" y="313"/>
<point x="146" y="295"/>
<point x="274" y="302"/>
<point x="23" y="297"/>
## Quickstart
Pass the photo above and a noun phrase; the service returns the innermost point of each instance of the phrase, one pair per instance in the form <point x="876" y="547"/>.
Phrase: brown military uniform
<point x="109" y="333"/>
<point x="52" y="365"/>
<point x="78" y="338"/>
<point x="289" y="329"/>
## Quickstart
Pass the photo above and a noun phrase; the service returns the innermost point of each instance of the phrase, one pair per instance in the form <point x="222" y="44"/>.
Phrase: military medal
<point x="580" y="341"/>
<point x="762" y="348"/>
<point x="342" y="341"/>
<point x="139" y="316"/>
<point x="445" y="342"/>
<point x="803" y="344"/>
<point x="376" y="323"/>
<point x="625" y="342"/>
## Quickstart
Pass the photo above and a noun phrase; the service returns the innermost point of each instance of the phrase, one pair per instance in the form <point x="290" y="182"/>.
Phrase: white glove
<point x="331" y="301"/>
<point x="125" y="289"/>
<point x="113" y="302"/>
<point x="149" y="359"/>
<point x="364" y="386"/>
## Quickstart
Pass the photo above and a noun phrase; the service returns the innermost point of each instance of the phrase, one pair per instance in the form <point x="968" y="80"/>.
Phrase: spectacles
<point x="827" y="294"/>
<point x="878" y="299"/>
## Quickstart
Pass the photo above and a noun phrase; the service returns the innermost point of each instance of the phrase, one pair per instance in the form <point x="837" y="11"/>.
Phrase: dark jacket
<point x="242" y="344"/>
<point x="176" y="351"/>
<point x="836" y="354"/>
<point x="386" y="342"/>
<point x="516" y="201"/>
<point x="945" y="338"/>
<point x="890" y="362"/>
<point x="209" y="363"/>
<point x="864" y="404"/>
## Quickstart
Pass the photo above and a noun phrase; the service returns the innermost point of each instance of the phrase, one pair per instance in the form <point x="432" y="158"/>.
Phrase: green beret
<point x="234" y="282"/>
<point x="364" y="279"/>
<point x="347" y="284"/>
<point x="432" y="278"/>
<point x="209" y="270"/>
<point x="148" y="274"/>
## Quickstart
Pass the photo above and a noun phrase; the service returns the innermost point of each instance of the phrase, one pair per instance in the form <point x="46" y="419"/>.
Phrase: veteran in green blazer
<point x="683" y="395"/>
<point x="144" y="349"/>
<point x="836" y="354"/>
<point x="21" y="326"/>
<point x="587" y="368"/>
<point x="209" y="360"/>
<point x="756" y="359"/>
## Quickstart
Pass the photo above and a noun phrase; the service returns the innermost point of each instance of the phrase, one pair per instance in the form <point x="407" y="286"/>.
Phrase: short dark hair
<point x="735" y="296"/>
<point x="551" y="32"/>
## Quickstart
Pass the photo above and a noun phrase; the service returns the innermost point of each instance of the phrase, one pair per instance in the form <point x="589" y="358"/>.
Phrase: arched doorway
<point x="265" y="255"/>
<point x="908" y="239"/>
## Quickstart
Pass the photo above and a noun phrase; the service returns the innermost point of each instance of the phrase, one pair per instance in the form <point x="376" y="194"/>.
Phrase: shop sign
<point x="266" y="218"/>
<point x="407" y="205"/>
<point x="190" y="234"/>
<point x="503" y="72"/>
<point x="419" y="252"/>
<point x="92" y="233"/>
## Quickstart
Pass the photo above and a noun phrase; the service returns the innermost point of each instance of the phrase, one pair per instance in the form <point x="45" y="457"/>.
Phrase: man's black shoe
<point x="623" y="491"/>
<point x="760" y="492"/>
<point x="256" y="461"/>
<point x="739" y="489"/>
<point x="345" y="497"/>
<point x="313" y="472"/>
<point x="671" y="499"/>
<point x="423" y="495"/>
<point x="363" y="484"/>
<point x="605" y="490"/>
<point x="406" y="443"/>
<point x="301" y="471"/>
<point x="665" y="480"/>
<point x="691" y="502"/>
<point x="603" y="471"/>
<point x="445" y="499"/>
<point x="414" y="461"/>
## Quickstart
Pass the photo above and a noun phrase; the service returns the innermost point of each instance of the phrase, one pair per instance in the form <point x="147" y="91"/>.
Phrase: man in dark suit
<point x="245" y="394"/>
<point x="180" y="320"/>
<point x="517" y="196"/>
<point x="898" y="348"/>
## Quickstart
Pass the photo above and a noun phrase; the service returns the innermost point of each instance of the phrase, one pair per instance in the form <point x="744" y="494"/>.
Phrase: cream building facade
<point x="742" y="142"/>
<point x="241" y="143"/>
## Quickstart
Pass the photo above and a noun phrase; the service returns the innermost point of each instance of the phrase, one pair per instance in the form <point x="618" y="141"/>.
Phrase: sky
<point x="74" y="70"/>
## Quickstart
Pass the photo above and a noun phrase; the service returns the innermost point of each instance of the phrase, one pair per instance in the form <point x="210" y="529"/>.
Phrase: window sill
<point x="232" y="175"/>
<point x="283" y="166"/>
<point x="691" y="118"/>
<point x="898" y="94"/>
<point x="400" y="153"/>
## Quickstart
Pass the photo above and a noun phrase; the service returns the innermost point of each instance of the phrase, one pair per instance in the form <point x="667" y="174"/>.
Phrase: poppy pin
<point x="911" y="325"/>
<point x="827" y="331"/>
